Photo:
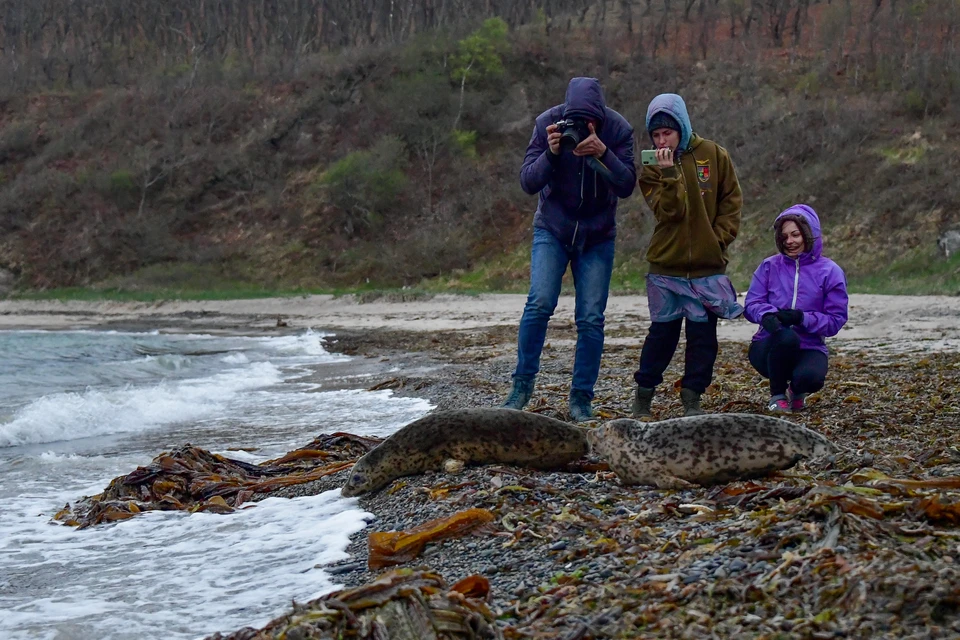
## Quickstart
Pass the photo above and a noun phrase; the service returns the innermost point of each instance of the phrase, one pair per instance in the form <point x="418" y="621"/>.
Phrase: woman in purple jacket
<point x="798" y="297"/>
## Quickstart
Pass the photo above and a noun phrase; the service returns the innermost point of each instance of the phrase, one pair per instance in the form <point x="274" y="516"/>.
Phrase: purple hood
<point x="585" y="99"/>
<point x="812" y="283"/>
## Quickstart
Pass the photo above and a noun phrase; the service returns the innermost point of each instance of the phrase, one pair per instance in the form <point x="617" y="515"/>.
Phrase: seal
<point x="708" y="449"/>
<point x="472" y="436"/>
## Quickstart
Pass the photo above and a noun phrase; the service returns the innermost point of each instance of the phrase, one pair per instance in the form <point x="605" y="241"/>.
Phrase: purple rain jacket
<point x="812" y="283"/>
<point x="577" y="205"/>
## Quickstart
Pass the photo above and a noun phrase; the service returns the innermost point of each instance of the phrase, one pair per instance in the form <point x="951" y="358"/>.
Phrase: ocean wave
<point x="97" y="412"/>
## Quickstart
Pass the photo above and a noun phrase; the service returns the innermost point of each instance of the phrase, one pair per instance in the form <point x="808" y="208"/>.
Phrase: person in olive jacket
<point x="696" y="200"/>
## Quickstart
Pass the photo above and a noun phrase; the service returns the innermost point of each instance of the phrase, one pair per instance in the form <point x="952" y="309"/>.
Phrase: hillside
<point x="188" y="164"/>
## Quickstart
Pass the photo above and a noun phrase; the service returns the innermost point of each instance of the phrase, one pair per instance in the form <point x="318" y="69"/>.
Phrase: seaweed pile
<point x="864" y="544"/>
<point x="402" y="604"/>
<point x="193" y="479"/>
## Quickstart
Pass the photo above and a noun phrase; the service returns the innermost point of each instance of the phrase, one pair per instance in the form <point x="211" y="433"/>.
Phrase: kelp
<point x="865" y="543"/>
<point x="193" y="479"/>
<point x="402" y="604"/>
<point x="396" y="547"/>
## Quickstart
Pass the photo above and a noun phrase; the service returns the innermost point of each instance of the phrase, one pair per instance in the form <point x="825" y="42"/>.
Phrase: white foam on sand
<point x="172" y="575"/>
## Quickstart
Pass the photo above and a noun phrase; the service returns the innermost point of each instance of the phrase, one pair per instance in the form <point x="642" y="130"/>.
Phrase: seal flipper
<point x="652" y="474"/>
<point x="664" y="480"/>
<point x="453" y="465"/>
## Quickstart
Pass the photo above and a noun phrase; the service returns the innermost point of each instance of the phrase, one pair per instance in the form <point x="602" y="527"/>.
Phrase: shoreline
<point x="576" y="554"/>
<point x="873" y="318"/>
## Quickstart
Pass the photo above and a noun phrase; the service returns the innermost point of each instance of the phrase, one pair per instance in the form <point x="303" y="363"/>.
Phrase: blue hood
<point x="673" y="105"/>
<point x="585" y="99"/>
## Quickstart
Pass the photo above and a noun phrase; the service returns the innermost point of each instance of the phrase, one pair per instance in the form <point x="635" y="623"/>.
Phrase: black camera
<point x="573" y="131"/>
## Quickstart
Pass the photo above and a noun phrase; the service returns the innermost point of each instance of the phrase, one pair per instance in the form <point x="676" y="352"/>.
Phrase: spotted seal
<point x="478" y="436"/>
<point x="707" y="449"/>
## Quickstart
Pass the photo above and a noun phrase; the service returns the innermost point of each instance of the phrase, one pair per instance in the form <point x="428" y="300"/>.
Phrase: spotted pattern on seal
<point x="708" y="449"/>
<point x="474" y="436"/>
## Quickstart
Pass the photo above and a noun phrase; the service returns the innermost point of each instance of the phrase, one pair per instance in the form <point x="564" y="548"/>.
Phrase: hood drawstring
<point x="583" y="175"/>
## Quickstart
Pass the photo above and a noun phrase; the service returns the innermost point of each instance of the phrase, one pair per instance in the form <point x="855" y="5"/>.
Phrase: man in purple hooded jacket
<point x="798" y="297"/>
<point x="575" y="224"/>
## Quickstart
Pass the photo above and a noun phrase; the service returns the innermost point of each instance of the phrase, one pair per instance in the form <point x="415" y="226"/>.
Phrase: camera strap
<point x="600" y="168"/>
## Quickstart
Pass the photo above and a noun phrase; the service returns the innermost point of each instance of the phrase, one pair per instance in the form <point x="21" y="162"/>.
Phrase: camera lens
<point x="569" y="139"/>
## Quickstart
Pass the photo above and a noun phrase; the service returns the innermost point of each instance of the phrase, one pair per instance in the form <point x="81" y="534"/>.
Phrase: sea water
<point x="78" y="409"/>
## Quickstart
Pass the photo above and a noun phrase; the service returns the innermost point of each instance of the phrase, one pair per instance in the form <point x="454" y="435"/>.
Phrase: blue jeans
<point x="591" y="267"/>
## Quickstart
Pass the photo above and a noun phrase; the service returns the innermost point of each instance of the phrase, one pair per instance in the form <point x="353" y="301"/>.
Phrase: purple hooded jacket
<point x="812" y="283"/>
<point x="577" y="204"/>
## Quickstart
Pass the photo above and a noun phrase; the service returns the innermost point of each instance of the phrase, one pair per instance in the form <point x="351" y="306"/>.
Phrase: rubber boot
<point x="691" y="402"/>
<point x="642" y="398"/>
<point x="520" y="394"/>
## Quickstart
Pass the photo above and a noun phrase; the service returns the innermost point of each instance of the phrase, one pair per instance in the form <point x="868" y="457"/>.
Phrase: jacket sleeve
<point x="538" y="163"/>
<point x="755" y="305"/>
<point x="726" y="225"/>
<point x="618" y="159"/>
<point x="665" y="192"/>
<point x="828" y="321"/>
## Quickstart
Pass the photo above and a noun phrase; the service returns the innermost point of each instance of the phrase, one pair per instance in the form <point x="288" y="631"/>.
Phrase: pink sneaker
<point x="778" y="404"/>
<point x="797" y="402"/>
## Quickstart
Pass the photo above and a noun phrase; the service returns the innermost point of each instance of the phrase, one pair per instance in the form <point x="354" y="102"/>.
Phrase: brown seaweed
<point x="192" y="479"/>
<point x="396" y="547"/>
<point x="401" y="604"/>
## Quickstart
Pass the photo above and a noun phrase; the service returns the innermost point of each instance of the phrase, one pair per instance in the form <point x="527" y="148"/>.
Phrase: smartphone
<point x="648" y="156"/>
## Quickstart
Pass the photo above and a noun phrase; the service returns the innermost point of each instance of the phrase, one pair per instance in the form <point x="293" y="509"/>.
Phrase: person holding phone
<point x="690" y="184"/>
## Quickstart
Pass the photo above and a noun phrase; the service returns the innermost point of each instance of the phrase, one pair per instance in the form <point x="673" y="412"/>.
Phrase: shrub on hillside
<point x="363" y="185"/>
<point x="46" y="190"/>
<point x="17" y="140"/>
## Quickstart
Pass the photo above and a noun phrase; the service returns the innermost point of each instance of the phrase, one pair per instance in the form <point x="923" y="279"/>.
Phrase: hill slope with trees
<point x="260" y="145"/>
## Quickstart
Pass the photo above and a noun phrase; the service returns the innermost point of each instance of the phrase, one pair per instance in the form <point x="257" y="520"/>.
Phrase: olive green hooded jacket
<point x="697" y="205"/>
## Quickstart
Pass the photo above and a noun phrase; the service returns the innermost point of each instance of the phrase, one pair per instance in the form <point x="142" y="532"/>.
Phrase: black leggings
<point x="780" y="358"/>
<point x="699" y="357"/>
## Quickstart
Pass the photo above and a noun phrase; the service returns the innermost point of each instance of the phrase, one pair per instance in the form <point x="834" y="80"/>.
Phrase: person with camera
<point x="580" y="162"/>
<point x="798" y="297"/>
<point x="690" y="184"/>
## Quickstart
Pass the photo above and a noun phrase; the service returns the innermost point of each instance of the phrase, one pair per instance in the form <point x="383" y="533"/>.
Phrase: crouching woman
<point x="799" y="298"/>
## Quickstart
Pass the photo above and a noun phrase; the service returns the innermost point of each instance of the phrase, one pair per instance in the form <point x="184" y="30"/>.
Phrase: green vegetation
<point x="480" y="54"/>
<point x="916" y="273"/>
<point x="363" y="184"/>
